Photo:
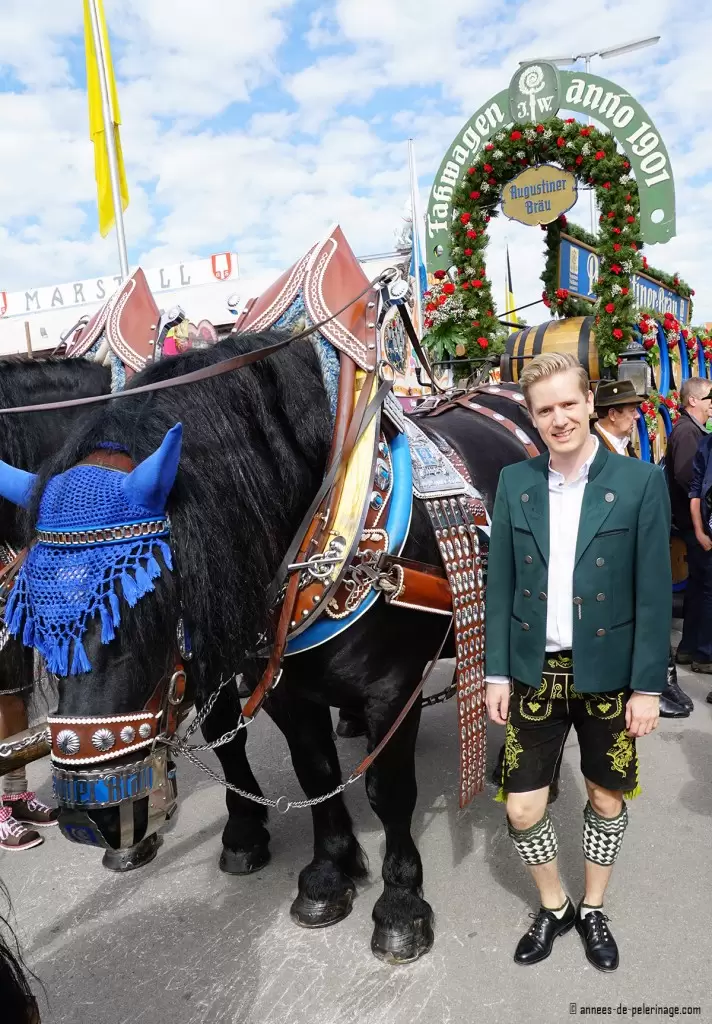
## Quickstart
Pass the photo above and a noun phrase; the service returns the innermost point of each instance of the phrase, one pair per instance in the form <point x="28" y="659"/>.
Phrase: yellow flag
<point x="97" y="128"/>
<point x="509" y="303"/>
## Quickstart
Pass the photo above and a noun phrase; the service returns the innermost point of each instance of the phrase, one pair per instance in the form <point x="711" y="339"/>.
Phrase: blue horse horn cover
<point x="16" y="485"/>
<point x="62" y="585"/>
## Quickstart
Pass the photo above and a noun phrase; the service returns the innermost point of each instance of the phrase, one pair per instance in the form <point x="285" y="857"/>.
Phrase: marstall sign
<point x="539" y="195"/>
<point x="578" y="272"/>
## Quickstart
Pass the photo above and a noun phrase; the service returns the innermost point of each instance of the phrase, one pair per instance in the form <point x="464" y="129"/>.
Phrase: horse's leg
<point x="403" y="920"/>
<point x="326" y="884"/>
<point x="245" y="838"/>
<point x="351" y="724"/>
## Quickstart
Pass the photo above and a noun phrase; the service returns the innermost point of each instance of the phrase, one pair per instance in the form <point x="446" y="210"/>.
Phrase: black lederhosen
<point x="538" y="724"/>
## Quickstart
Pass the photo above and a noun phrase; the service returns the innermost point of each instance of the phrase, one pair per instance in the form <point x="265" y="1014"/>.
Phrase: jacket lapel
<point x="535" y="506"/>
<point x="599" y="500"/>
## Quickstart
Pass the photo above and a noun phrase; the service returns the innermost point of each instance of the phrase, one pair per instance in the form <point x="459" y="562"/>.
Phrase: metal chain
<point x="281" y="804"/>
<point x="10" y="749"/>
<point x="440" y="697"/>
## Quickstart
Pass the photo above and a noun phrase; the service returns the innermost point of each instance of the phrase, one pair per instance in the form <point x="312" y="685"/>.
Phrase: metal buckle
<point x="172" y="688"/>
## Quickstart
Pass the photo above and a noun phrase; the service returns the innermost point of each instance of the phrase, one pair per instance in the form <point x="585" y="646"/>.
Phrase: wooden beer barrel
<point x="574" y="334"/>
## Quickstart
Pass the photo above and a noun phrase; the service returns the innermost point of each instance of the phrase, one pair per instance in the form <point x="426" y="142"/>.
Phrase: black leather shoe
<point x="708" y="698"/>
<point x="537" y="943"/>
<point x="669" y="709"/>
<point x="600" y="946"/>
<point x="677" y="695"/>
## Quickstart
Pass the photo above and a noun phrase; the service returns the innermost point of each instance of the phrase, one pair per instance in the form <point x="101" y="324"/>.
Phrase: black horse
<point x="255" y="446"/>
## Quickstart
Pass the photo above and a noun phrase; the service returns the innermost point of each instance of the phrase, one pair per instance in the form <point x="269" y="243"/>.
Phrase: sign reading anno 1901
<point x="539" y="195"/>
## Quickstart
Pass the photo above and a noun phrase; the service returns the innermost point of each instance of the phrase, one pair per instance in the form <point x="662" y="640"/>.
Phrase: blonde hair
<point x="547" y="365"/>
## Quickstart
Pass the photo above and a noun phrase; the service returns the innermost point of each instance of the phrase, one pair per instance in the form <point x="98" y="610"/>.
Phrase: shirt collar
<point x="558" y="478"/>
<point x="619" y="443"/>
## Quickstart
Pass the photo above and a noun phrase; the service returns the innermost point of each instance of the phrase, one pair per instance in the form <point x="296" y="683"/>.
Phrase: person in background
<point x="578" y="619"/>
<point x="701" y="500"/>
<point x="616" y="405"/>
<point x="695" y="647"/>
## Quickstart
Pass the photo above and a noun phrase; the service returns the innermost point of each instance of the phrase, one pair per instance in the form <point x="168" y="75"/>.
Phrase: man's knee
<point x="607" y="803"/>
<point x="526" y="809"/>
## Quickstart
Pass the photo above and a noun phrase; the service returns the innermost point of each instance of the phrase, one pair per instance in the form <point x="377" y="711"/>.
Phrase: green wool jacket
<point x="622" y="576"/>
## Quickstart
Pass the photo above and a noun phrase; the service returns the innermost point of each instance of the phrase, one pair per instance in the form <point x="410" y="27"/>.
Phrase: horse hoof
<point x="243" y="862"/>
<point x="308" y="913"/>
<point x="135" y="857"/>
<point x="349" y="728"/>
<point x="403" y="946"/>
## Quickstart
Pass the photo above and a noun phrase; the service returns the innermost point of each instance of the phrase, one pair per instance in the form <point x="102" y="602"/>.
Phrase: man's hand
<point x="704" y="541"/>
<point x="497" y="699"/>
<point x="642" y="714"/>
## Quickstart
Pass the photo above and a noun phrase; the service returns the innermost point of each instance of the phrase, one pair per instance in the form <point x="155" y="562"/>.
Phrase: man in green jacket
<point x="578" y="619"/>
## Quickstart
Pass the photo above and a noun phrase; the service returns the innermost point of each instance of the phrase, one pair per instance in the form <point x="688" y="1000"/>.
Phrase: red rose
<point x="611" y="214"/>
<point x="616" y="231"/>
<point x="630" y="220"/>
<point x="449" y="288"/>
<point x="465" y="284"/>
<point x="540" y="128"/>
<point x="615" y="269"/>
<point x="489" y="146"/>
<point x="606" y="184"/>
<point x="487" y="168"/>
<point x="468" y="252"/>
<point x="626" y="164"/>
<point x="561" y="294"/>
<point x="439" y="275"/>
<point x="585" y="131"/>
<point x="482" y="342"/>
<point x="442" y="300"/>
<point x="430" y="306"/>
<point x="569" y="120"/>
<point x="617" y="333"/>
<point x="610" y="307"/>
<point x="474" y="195"/>
<point x="546" y="301"/>
<point x="648" y="343"/>
<point x="624" y="291"/>
<point x="471" y="234"/>
<point x="492" y="181"/>
<point x="477" y="283"/>
<point x="487" y="219"/>
<point x="579" y="159"/>
<point x="616" y="246"/>
<point x="465" y="218"/>
<point x="645" y="261"/>
<point x="627" y="198"/>
<point x="562" y="220"/>
<point x="470" y="170"/>
<point x="515" y="135"/>
<point x="600" y="155"/>
<point x="560" y="142"/>
<point x="489" y="312"/>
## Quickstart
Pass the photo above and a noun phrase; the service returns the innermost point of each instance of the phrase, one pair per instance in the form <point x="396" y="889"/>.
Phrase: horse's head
<point x="82" y="596"/>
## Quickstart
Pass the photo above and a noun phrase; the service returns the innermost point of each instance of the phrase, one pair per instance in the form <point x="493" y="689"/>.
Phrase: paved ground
<point x="181" y="942"/>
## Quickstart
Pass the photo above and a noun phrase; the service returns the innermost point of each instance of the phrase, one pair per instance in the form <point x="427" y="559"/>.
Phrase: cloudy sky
<point x="252" y="125"/>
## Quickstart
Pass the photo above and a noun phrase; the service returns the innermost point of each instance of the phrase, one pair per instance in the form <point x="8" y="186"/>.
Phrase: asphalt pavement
<point x="179" y="942"/>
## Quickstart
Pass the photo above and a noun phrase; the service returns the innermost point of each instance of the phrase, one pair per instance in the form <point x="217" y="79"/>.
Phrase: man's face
<point x="702" y="407"/>
<point x="561" y="413"/>
<point x="621" y="420"/>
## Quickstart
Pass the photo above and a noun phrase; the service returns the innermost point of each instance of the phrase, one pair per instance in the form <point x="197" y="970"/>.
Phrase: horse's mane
<point x="18" y="1002"/>
<point x="27" y="439"/>
<point x="255" y="443"/>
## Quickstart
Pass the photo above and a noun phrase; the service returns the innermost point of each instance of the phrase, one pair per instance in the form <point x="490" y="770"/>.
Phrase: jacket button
<point x="528" y="559"/>
<point x="600" y="562"/>
<point x="527" y="593"/>
<point x="600" y="597"/>
<point x="610" y="496"/>
<point x="525" y="625"/>
<point x="600" y="632"/>
<point x="542" y="596"/>
<point x="525" y="497"/>
<point x="578" y="600"/>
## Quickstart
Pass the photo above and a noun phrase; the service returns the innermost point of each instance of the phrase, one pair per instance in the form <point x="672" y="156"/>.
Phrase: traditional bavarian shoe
<point x="28" y="810"/>
<point x="536" y="944"/>
<point x="600" y="946"/>
<point x="673" y="692"/>
<point x="671" y="709"/>
<point x="14" y="836"/>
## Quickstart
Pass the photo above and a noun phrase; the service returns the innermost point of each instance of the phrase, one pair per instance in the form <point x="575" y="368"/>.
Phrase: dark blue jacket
<point x="701" y="484"/>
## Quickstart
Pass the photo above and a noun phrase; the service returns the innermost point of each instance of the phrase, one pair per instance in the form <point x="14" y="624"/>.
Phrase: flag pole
<point x="415" y="216"/>
<point x="109" y="125"/>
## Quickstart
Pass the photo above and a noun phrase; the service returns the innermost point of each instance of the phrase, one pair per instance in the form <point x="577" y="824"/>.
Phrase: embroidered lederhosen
<point x="538" y="724"/>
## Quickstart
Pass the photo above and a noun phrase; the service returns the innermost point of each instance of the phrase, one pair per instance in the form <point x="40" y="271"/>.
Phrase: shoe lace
<point x="8" y="825"/>
<point x="537" y="929"/>
<point x="597" y="922"/>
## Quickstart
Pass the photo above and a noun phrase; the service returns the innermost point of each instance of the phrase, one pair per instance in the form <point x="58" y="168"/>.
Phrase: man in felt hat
<point x="617" y="406"/>
<point x="578" y="618"/>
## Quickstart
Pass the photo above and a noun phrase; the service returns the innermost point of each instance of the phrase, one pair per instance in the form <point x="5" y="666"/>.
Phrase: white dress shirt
<point x="619" y="443"/>
<point x="565" y="501"/>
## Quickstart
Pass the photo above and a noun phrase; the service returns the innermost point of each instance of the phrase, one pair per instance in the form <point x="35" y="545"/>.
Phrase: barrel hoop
<point x="521" y="349"/>
<point x="584" y="342"/>
<point x="539" y="338"/>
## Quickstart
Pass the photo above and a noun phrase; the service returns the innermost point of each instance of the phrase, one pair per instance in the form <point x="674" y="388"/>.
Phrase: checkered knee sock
<point x="602" y="837"/>
<point x="535" y="845"/>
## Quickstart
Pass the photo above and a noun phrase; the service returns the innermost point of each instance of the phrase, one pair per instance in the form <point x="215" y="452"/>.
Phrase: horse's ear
<point x="150" y="483"/>
<point x="16" y="485"/>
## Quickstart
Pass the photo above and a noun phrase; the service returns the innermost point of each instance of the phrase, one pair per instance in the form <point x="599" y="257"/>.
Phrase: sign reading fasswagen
<point x="539" y="195"/>
<point x="578" y="273"/>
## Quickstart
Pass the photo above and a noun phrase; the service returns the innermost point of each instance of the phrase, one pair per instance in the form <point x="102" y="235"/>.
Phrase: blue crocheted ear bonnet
<point x="97" y="528"/>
